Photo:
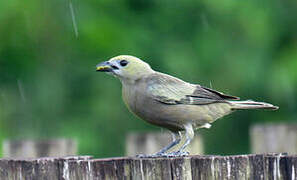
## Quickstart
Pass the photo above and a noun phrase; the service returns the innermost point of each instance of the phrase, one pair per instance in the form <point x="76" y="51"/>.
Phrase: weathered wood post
<point x="240" y="167"/>
<point x="151" y="142"/>
<point x="274" y="138"/>
<point x="39" y="148"/>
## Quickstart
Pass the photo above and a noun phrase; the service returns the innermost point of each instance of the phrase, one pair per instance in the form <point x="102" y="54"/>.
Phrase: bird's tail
<point x="249" y="104"/>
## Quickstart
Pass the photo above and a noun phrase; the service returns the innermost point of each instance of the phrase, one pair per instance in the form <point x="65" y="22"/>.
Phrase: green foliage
<point x="49" y="87"/>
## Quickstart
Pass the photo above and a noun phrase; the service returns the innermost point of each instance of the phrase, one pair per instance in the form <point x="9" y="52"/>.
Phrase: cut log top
<point x="262" y="166"/>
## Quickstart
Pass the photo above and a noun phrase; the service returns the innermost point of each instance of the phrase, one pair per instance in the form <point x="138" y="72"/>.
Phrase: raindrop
<point x="205" y="22"/>
<point x="21" y="90"/>
<point x="73" y="18"/>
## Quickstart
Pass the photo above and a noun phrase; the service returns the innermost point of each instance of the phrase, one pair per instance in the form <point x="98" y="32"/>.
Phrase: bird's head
<point x="125" y="67"/>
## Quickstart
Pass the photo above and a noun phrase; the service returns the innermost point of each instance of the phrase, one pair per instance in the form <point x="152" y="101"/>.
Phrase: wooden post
<point x="240" y="167"/>
<point x="39" y="148"/>
<point x="152" y="142"/>
<point x="274" y="138"/>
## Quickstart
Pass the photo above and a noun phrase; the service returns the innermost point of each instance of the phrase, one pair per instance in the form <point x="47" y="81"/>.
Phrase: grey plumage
<point x="169" y="102"/>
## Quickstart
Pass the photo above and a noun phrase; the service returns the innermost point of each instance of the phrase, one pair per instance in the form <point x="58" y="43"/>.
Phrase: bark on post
<point x="149" y="143"/>
<point x="266" y="138"/>
<point x="258" y="167"/>
<point x="39" y="148"/>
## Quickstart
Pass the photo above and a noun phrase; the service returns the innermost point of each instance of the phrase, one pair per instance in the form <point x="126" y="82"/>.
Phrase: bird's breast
<point x="131" y="97"/>
<point x="148" y="109"/>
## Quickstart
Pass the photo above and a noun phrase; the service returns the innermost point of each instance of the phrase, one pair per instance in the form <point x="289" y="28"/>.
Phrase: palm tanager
<point x="169" y="102"/>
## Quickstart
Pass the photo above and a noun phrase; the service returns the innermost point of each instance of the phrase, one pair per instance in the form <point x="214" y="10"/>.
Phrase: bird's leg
<point x="176" y="138"/>
<point x="189" y="136"/>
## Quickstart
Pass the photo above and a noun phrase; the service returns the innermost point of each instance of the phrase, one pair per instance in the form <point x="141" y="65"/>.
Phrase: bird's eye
<point x="123" y="63"/>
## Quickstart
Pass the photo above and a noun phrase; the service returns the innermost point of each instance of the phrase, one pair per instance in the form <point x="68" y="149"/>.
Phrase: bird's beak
<point x="104" y="67"/>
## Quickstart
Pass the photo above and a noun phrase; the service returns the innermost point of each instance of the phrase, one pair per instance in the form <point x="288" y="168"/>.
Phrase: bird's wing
<point x="170" y="90"/>
<point x="205" y="92"/>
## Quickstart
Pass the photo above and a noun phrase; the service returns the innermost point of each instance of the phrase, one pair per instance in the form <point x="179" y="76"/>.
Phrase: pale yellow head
<point x="125" y="67"/>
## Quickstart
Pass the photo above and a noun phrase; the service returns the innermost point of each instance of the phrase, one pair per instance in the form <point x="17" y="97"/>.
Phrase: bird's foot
<point x="178" y="154"/>
<point x="158" y="154"/>
<point x="172" y="154"/>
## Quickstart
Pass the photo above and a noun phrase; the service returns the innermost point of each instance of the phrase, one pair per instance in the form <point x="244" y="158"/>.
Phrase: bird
<point x="171" y="103"/>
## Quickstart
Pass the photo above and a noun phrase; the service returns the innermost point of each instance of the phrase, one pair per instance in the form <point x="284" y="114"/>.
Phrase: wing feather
<point x="170" y="90"/>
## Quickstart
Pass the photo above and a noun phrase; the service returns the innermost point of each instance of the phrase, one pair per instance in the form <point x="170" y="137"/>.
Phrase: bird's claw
<point x="178" y="153"/>
<point x="172" y="154"/>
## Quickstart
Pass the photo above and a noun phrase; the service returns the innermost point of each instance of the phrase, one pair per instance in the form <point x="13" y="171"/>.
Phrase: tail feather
<point x="249" y="104"/>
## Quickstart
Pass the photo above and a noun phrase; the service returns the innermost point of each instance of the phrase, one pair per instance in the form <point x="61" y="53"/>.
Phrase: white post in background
<point x="31" y="148"/>
<point x="274" y="138"/>
<point x="152" y="142"/>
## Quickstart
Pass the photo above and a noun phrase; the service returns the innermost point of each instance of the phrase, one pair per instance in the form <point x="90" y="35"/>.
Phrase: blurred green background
<point x="49" y="87"/>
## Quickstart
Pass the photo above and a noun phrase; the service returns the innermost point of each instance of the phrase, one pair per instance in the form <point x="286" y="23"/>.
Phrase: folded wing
<point x="170" y="90"/>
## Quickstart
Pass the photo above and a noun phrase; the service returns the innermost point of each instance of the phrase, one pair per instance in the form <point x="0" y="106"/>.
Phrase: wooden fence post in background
<point x="39" y="148"/>
<point x="152" y="142"/>
<point x="240" y="167"/>
<point x="274" y="138"/>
